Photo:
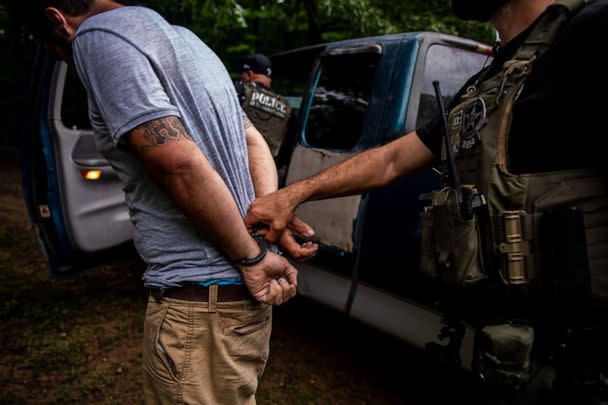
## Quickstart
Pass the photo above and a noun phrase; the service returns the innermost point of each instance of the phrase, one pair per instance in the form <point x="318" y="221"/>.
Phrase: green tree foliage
<point x="353" y="18"/>
<point x="235" y="27"/>
<point x="17" y="48"/>
<point x="433" y="15"/>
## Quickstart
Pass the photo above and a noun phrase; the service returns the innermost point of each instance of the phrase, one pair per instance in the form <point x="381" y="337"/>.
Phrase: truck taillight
<point x="91" y="174"/>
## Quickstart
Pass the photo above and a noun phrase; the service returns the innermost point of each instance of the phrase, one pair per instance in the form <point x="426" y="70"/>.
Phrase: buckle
<point x="514" y="247"/>
<point x="520" y="67"/>
<point x="157" y="294"/>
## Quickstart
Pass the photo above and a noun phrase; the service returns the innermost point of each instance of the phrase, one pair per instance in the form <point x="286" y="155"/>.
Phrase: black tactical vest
<point x="511" y="243"/>
<point x="527" y="236"/>
<point x="269" y="113"/>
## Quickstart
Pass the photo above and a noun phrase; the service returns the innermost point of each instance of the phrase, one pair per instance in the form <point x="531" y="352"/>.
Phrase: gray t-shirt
<point x="137" y="67"/>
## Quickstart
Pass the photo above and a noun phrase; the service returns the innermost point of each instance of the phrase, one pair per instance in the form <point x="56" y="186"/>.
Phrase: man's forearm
<point x="261" y="164"/>
<point x="203" y="196"/>
<point x="365" y="171"/>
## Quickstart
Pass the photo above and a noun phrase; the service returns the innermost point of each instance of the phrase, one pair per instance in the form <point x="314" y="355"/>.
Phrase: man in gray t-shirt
<point x="167" y="119"/>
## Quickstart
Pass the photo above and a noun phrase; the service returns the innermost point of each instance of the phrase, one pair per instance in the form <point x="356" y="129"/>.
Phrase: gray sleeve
<point x="121" y="80"/>
<point x="244" y="117"/>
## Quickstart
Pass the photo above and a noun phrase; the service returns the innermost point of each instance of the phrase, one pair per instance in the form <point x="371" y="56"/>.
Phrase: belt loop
<point x="158" y="293"/>
<point x="212" y="298"/>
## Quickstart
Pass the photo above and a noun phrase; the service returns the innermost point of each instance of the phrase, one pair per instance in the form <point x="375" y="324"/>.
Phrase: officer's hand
<point x="298" y="252"/>
<point x="277" y="211"/>
<point x="271" y="281"/>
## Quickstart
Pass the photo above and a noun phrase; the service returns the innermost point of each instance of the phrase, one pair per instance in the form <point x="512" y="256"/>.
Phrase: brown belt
<point x="225" y="293"/>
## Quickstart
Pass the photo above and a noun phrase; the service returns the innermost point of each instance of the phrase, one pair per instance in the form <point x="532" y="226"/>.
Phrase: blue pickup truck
<point x="360" y="94"/>
<point x="348" y="96"/>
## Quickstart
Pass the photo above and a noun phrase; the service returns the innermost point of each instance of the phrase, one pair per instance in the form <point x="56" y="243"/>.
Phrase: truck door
<point x="390" y="251"/>
<point x="75" y="200"/>
<point x="333" y="119"/>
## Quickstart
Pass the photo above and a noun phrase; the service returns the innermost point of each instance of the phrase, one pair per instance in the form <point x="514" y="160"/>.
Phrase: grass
<point x="60" y="343"/>
<point x="63" y="343"/>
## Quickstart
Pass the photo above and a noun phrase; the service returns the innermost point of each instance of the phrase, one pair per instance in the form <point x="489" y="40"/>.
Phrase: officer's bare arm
<point x="371" y="169"/>
<point x="368" y="170"/>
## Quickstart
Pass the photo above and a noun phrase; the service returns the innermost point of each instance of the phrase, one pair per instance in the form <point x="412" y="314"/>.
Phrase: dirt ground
<point x="79" y="340"/>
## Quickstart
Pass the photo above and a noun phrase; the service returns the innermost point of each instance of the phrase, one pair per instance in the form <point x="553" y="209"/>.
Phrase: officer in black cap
<point x="268" y="111"/>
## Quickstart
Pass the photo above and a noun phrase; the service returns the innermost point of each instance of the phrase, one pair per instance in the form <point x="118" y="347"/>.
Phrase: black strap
<point x="254" y="260"/>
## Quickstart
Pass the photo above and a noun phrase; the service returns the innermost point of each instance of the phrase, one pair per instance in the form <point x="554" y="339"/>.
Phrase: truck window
<point x="74" y="106"/>
<point x="291" y="72"/>
<point x="452" y="67"/>
<point x="340" y="101"/>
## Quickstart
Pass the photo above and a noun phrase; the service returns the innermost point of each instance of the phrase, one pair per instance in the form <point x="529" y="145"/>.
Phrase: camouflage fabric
<point x="269" y="112"/>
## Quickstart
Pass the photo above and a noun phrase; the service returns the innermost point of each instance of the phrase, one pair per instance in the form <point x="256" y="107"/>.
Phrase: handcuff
<point x="260" y="256"/>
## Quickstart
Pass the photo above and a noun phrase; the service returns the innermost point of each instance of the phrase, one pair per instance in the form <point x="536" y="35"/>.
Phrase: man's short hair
<point x="257" y="63"/>
<point x="41" y="26"/>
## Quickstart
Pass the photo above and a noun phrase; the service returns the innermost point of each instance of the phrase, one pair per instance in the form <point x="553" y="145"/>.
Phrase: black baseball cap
<point x="257" y="63"/>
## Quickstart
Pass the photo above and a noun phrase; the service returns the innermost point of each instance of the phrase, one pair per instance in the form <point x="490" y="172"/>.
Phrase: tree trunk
<point x="314" y="21"/>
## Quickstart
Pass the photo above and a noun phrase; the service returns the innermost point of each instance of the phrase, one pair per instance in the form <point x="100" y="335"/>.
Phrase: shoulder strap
<point x="572" y="5"/>
<point x="543" y="35"/>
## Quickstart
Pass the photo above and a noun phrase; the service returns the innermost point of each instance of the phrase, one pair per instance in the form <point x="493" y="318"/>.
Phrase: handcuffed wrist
<point x="259" y="257"/>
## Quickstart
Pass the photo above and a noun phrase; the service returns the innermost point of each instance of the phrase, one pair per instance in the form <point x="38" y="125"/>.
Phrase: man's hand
<point x="288" y="243"/>
<point x="271" y="281"/>
<point x="298" y="252"/>
<point x="277" y="211"/>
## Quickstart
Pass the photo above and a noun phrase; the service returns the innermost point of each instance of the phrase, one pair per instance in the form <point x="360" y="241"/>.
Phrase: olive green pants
<point x="204" y="352"/>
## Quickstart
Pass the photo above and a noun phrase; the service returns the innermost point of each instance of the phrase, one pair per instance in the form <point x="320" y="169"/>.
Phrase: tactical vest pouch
<point x="577" y="208"/>
<point x="502" y="353"/>
<point x="564" y="246"/>
<point x="450" y="245"/>
<point x="513" y="228"/>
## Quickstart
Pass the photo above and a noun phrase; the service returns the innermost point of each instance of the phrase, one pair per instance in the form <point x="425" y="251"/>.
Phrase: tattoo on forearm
<point x="158" y="132"/>
<point x="247" y="122"/>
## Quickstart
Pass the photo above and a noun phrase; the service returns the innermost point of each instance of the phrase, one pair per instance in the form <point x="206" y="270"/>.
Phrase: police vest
<point x="269" y="113"/>
<point x="498" y="227"/>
